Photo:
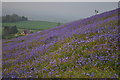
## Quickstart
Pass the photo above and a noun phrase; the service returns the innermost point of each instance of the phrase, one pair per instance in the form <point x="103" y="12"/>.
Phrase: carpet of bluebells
<point x="85" y="48"/>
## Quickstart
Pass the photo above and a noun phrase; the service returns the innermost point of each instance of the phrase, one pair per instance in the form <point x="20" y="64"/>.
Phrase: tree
<point x="13" y="30"/>
<point x="58" y="24"/>
<point x="6" y="18"/>
<point x="9" y="30"/>
<point x="13" y="18"/>
<point x="24" y="18"/>
<point x="6" y="31"/>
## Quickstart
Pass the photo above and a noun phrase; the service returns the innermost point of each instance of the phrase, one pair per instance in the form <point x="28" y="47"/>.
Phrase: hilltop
<point x="81" y="49"/>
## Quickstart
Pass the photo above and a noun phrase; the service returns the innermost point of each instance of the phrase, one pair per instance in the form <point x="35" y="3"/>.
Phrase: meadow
<point x="86" y="48"/>
<point x="32" y="25"/>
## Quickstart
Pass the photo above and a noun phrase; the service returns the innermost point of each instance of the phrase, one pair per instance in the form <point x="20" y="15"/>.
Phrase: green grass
<point x="33" y="25"/>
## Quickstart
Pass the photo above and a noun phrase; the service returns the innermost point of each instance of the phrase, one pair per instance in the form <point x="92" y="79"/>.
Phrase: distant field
<point x="33" y="25"/>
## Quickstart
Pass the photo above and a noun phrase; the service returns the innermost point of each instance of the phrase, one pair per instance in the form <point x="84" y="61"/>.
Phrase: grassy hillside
<point x="34" y="25"/>
<point x="82" y="49"/>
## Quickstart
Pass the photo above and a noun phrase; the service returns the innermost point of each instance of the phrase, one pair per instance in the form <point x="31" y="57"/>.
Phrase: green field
<point x="32" y="25"/>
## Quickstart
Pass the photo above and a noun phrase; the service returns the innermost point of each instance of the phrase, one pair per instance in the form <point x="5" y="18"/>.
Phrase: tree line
<point x="13" y="18"/>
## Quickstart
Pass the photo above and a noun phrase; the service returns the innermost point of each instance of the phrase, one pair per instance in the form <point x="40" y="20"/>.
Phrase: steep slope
<point x="80" y="49"/>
